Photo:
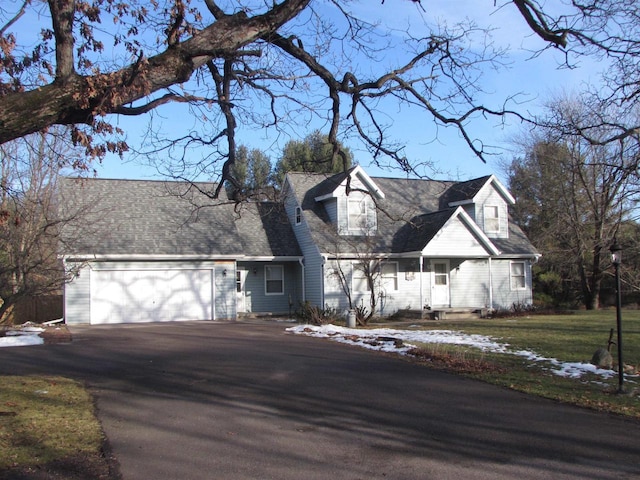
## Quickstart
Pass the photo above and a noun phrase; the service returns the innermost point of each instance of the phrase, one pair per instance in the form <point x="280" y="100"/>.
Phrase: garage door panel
<point x="132" y="296"/>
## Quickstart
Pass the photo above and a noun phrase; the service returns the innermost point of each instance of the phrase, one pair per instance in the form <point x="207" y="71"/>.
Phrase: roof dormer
<point x="351" y="203"/>
<point x="487" y="201"/>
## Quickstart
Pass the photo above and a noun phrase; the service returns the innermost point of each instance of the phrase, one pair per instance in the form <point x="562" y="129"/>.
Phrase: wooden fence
<point x="37" y="310"/>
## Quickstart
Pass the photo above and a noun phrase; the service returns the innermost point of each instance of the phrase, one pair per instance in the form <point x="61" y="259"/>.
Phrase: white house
<point x="166" y="251"/>
<point x="437" y="244"/>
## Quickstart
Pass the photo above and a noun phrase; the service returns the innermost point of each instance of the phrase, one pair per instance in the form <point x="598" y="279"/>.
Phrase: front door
<point x="241" y="278"/>
<point x="440" y="283"/>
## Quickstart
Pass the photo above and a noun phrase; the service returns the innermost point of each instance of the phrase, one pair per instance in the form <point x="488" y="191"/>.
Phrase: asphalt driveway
<point x="206" y="400"/>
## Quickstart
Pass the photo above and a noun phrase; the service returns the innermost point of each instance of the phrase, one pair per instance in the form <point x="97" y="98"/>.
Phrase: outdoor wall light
<point x="255" y="271"/>
<point x="224" y="272"/>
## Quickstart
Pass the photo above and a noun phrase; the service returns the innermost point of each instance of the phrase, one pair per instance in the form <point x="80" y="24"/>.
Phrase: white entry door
<point x="440" y="283"/>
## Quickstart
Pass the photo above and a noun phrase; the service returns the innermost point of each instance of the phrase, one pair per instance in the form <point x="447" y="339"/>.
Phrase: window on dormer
<point x="491" y="219"/>
<point x="298" y="215"/>
<point x="357" y="208"/>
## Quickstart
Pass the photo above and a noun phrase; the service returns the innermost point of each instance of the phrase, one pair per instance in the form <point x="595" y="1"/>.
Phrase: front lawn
<point x="567" y="338"/>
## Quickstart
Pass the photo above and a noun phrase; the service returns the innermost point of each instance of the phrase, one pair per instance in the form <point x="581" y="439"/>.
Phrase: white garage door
<point x="132" y="296"/>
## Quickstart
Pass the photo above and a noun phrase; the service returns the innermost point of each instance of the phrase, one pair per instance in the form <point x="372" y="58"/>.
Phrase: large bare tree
<point x="574" y="194"/>
<point x="30" y="220"/>
<point x="92" y="60"/>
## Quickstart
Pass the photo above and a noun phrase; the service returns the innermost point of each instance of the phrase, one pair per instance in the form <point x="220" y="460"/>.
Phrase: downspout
<point x="304" y="290"/>
<point x="325" y="259"/>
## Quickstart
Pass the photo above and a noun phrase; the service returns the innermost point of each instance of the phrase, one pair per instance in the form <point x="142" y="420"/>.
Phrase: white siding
<point x="454" y="240"/>
<point x="406" y="296"/>
<point x="469" y="282"/>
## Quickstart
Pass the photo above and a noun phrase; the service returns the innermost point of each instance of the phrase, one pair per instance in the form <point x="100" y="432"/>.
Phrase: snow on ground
<point x="370" y="338"/>
<point x="23" y="336"/>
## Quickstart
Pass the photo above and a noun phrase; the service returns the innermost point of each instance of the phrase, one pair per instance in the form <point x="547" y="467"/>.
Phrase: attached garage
<point x="137" y="296"/>
<point x="154" y="251"/>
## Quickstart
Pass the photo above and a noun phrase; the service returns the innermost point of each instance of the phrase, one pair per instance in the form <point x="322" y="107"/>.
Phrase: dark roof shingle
<point x="140" y="217"/>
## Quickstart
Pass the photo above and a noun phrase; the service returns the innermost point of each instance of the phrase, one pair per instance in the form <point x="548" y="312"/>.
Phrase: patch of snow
<point x="22" y="335"/>
<point x="371" y="339"/>
<point x="21" y="340"/>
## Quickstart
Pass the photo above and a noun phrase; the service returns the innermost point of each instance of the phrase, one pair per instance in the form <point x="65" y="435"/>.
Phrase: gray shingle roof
<point x="411" y="213"/>
<point x="139" y="217"/>
<point x="461" y="191"/>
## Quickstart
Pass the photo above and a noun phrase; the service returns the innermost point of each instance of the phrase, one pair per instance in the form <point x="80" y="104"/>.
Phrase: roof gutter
<point x="169" y="257"/>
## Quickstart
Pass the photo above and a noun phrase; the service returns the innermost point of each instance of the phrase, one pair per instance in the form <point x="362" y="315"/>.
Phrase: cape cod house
<point x="164" y="251"/>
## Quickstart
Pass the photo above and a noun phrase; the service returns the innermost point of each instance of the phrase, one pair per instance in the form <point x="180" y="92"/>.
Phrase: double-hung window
<point x="274" y="280"/>
<point x="359" y="277"/>
<point x="491" y="219"/>
<point x="518" y="276"/>
<point x="357" y="208"/>
<point x="389" y="276"/>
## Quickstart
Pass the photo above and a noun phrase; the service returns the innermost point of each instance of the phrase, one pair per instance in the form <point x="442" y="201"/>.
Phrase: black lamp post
<point x="616" y="259"/>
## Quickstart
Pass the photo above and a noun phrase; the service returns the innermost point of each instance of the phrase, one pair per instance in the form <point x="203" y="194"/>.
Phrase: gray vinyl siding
<point x="469" y="283"/>
<point x="224" y="291"/>
<point x="313" y="261"/>
<point x="77" y="298"/>
<point x="331" y="206"/>
<point x="313" y="275"/>
<point x="504" y="297"/>
<point x="258" y="301"/>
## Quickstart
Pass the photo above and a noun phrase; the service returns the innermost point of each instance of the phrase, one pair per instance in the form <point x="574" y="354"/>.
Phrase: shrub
<point x="315" y="315"/>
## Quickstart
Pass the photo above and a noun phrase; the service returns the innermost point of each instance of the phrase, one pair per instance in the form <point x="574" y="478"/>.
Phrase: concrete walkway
<point x="204" y="400"/>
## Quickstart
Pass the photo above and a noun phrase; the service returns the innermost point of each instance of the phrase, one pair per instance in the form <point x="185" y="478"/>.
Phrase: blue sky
<point x="533" y="78"/>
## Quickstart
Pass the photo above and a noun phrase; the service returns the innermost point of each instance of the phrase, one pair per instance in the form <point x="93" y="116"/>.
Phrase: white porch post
<point x="490" y="285"/>
<point x="421" y="287"/>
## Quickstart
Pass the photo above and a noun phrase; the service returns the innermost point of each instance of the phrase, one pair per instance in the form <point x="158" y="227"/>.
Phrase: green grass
<point x="567" y="338"/>
<point x="45" y="419"/>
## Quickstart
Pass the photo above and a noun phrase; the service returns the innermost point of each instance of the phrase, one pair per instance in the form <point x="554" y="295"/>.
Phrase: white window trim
<point x="279" y="267"/>
<point x="523" y="276"/>
<point x="497" y="218"/>
<point x="298" y="216"/>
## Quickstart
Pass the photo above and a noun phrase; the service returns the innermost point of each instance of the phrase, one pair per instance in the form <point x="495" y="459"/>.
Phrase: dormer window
<point x="298" y="215"/>
<point x="357" y="210"/>
<point x="491" y="219"/>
